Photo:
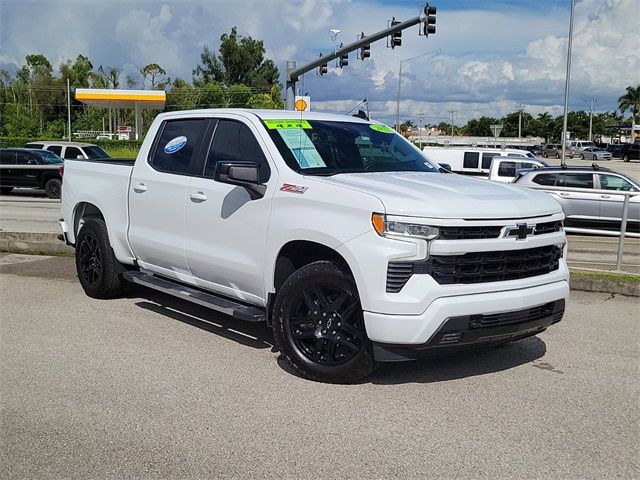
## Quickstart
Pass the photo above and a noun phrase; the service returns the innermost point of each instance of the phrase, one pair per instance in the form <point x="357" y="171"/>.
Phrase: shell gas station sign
<point x="302" y="103"/>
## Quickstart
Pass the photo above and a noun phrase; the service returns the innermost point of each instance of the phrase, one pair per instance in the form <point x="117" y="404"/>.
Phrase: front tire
<point x="557" y="155"/>
<point x="53" y="188"/>
<point x="96" y="264"/>
<point x="626" y="158"/>
<point x="581" y="156"/>
<point x="318" y="325"/>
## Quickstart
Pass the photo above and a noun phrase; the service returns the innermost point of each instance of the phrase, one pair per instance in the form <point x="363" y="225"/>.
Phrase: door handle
<point x="605" y="196"/>
<point x="140" y="188"/>
<point x="198" y="197"/>
<point x="563" y="194"/>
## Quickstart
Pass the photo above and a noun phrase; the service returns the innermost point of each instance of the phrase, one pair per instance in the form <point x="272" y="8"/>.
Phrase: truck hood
<point x="432" y="195"/>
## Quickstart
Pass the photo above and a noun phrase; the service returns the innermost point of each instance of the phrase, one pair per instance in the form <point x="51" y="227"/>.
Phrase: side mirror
<point x="243" y="174"/>
<point x="79" y="157"/>
<point x="446" y="167"/>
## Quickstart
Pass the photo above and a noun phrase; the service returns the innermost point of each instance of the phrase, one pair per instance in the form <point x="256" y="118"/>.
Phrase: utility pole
<point x="453" y="112"/>
<point x="69" y="109"/>
<point x="591" y="101"/>
<point x="520" y="110"/>
<point x="566" y="85"/>
<point x="426" y="18"/>
<point x="420" y="121"/>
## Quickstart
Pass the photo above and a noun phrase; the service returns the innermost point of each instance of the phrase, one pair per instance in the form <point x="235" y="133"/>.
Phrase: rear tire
<point x="318" y="325"/>
<point x="53" y="188"/>
<point x="626" y="158"/>
<point x="557" y="155"/>
<point x="96" y="264"/>
<point x="595" y="157"/>
<point x="6" y="190"/>
<point x="581" y="156"/>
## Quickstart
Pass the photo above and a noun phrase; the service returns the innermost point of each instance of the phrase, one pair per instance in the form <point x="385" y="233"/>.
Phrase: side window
<point x="471" y="160"/>
<point x="611" y="182"/>
<point x="234" y="142"/>
<point x="527" y="165"/>
<point x="34" y="145"/>
<point x="177" y="148"/>
<point x="57" y="149"/>
<point x="578" y="180"/>
<point x="486" y="159"/>
<point x="7" y="158"/>
<point x="72" y="153"/>
<point x="546" y="179"/>
<point x="507" y="169"/>
<point x="25" y="158"/>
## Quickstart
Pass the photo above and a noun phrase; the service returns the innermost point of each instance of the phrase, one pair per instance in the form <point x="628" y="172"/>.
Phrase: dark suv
<point x="27" y="167"/>
<point x="631" y="152"/>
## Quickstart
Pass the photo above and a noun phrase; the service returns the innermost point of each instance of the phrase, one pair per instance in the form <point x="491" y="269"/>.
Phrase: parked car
<point x="32" y="168"/>
<point x="536" y="150"/>
<point x="505" y="169"/>
<point x="471" y="160"/>
<point x="334" y="230"/>
<point x="592" y="207"/>
<point x="71" y="150"/>
<point x="554" y="150"/>
<point x="594" y="153"/>
<point x="578" y="146"/>
<point x="631" y="152"/>
<point x="616" y="149"/>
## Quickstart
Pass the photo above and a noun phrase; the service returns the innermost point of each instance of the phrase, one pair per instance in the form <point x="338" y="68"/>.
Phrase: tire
<point x="626" y="158"/>
<point x="53" y="188"/>
<point x="557" y="155"/>
<point x="581" y="156"/>
<point x="96" y="264"/>
<point x="6" y="190"/>
<point x="595" y="158"/>
<point x="544" y="154"/>
<point x="329" y="344"/>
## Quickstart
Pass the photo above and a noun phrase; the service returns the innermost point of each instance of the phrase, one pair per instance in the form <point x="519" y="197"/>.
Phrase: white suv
<point x="71" y="150"/>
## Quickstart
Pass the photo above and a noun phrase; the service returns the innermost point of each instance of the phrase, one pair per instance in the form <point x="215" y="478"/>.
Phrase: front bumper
<point x="418" y="330"/>
<point x="475" y="331"/>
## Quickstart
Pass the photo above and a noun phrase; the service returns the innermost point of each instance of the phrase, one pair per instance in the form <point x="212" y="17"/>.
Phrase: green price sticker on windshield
<point x="286" y="124"/>
<point x="381" y="128"/>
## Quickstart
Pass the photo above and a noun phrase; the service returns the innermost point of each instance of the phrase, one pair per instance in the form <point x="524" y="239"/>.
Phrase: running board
<point x="206" y="299"/>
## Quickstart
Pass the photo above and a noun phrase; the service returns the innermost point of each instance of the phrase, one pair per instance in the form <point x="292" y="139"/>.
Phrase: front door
<point x="611" y="205"/>
<point x="225" y="230"/>
<point x="158" y="193"/>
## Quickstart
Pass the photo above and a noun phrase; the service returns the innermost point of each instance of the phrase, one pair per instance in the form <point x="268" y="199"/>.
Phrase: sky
<point x="496" y="56"/>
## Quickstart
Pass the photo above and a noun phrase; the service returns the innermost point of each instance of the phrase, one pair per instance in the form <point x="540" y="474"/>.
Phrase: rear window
<point x="34" y="145"/>
<point x="507" y="169"/>
<point x="95" y="152"/>
<point x="471" y="160"/>
<point x="50" y="158"/>
<point x="72" y="153"/>
<point x="57" y="149"/>
<point x="546" y="179"/>
<point x="178" y="146"/>
<point x="486" y="159"/>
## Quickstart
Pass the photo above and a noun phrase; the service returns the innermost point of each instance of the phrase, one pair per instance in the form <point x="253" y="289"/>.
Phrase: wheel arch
<point x="82" y="211"/>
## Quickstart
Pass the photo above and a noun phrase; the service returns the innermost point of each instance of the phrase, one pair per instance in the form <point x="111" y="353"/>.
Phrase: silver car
<point x="592" y="207"/>
<point x="595" y="153"/>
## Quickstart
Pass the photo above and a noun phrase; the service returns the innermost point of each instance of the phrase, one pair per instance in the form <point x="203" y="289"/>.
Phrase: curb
<point x="33" y="243"/>
<point x="584" y="280"/>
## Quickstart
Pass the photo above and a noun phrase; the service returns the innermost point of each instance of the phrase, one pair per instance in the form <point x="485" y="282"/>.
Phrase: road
<point x="150" y="387"/>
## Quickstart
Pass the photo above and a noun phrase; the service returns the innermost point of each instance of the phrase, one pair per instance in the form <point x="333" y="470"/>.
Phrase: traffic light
<point x="322" y="69"/>
<point x="365" y="51"/>
<point x="344" y="60"/>
<point x="429" y="22"/>
<point x="396" y="37"/>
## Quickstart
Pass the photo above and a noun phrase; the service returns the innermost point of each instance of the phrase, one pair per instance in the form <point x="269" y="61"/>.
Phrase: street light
<point x="566" y="85"/>
<point x="435" y="54"/>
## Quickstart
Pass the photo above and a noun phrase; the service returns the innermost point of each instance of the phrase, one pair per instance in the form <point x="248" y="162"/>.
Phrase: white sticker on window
<point x="175" y="144"/>
<point x="302" y="148"/>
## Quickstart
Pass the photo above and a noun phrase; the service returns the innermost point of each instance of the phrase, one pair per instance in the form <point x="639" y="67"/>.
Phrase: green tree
<point x="480" y="127"/>
<point x="240" y="61"/>
<point x="238" y="96"/>
<point x="631" y="101"/>
<point x="155" y="76"/>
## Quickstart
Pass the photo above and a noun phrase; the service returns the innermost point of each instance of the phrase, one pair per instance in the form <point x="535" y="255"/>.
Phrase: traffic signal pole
<point x="293" y="73"/>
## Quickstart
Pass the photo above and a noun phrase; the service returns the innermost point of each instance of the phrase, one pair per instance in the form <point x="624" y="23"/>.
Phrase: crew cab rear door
<point x="226" y="231"/>
<point x="158" y="193"/>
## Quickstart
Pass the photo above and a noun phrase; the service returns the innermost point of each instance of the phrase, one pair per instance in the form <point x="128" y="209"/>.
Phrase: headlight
<point x="394" y="228"/>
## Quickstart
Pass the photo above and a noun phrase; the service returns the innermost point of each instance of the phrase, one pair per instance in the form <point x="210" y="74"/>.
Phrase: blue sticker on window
<point x="175" y="144"/>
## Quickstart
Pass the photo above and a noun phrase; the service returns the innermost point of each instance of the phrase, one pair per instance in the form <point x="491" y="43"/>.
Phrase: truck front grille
<point x="477" y="267"/>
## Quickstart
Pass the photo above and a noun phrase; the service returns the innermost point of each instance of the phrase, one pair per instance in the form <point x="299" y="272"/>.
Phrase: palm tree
<point x="631" y="101"/>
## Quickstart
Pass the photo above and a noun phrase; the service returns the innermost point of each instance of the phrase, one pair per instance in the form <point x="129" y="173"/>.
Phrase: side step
<point x="206" y="299"/>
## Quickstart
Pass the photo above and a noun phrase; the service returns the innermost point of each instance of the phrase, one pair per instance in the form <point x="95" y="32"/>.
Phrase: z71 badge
<point x="287" y="187"/>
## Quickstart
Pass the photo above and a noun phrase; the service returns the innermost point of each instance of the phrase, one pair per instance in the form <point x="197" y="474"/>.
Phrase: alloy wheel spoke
<point x="347" y="343"/>
<point x="320" y="296"/>
<point x="354" y="332"/>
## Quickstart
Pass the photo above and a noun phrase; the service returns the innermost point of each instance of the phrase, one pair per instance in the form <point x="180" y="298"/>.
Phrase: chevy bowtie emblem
<point x="522" y="231"/>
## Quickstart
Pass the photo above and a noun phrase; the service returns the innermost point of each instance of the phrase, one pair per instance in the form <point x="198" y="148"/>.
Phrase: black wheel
<point x="557" y="155"/>
<point x="96" y="264"/>
<point x="544" y="154"/>
<point x="6" y="190"/>
<point x="626" y="158"/>
<point x="582" y="156"/>
<point x="53" y="188"/>
<point x="595" y="157"/>
<point x="319" y="326"/>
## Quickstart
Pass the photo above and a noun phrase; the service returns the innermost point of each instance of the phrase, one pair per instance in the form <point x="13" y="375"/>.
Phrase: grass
<point x="610" y="276"/>
<point x="122" y="152"/>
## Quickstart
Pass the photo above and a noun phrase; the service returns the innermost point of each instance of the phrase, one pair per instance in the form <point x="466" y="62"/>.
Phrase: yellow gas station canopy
<point x="114" y="98"/>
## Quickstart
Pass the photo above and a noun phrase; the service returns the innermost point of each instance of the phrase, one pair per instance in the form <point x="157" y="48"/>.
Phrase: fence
<point x="604" y="194"/>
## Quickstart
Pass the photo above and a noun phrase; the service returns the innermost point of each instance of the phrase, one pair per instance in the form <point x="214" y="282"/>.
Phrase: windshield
<point x="49" y="157"/>
<point x="95" y="152"/>
<point x="318" y="147"/>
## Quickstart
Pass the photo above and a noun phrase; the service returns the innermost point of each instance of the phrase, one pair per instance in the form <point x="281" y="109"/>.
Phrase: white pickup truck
<point x="334" y="230"/>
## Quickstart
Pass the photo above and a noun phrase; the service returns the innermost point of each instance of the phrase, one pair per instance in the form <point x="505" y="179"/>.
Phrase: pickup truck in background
<point x="334" y="230"/>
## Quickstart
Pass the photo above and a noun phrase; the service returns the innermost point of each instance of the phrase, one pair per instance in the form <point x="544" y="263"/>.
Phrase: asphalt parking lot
<point x="151" y="387"/>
